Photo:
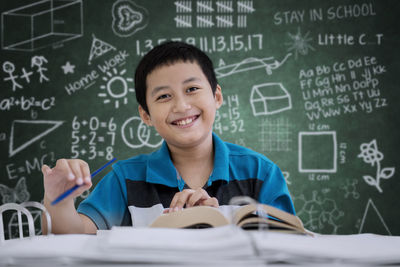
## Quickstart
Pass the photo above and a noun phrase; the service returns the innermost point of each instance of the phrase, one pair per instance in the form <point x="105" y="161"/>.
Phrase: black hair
<point x="166" y="54"/>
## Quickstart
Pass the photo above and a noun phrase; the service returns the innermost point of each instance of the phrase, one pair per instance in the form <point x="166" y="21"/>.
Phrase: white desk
<point x="227" y="246"/>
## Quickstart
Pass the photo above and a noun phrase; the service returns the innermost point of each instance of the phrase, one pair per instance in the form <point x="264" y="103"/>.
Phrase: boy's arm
<point x="275" y="192"/>
<point x="64" y="217"/>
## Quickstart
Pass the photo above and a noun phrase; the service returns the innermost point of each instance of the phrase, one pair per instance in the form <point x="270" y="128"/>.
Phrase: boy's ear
<point x="145" y="116"/>
<point x="218" y="96"/>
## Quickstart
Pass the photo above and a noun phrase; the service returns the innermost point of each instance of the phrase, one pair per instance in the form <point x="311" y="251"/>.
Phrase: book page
<point x="229" y="211"/>
<point x="143" y="217"/>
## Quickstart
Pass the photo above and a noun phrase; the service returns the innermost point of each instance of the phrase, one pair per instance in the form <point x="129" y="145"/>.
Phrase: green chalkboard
<point x="313" y="85"/>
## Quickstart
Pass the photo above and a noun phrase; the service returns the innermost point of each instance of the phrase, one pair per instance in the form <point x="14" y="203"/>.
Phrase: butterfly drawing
<point x="17" y="194"/>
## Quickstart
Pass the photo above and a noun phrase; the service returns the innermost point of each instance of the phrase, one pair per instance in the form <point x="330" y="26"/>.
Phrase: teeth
<point x="184" y="122"/>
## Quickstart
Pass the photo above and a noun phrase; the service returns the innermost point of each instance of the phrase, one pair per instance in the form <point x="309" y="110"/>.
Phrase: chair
<point x="40" y="206"/>
<point x="20" y="209"/>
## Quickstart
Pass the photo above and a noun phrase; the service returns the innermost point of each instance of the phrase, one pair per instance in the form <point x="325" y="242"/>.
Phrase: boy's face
<point x="181" y="104"/>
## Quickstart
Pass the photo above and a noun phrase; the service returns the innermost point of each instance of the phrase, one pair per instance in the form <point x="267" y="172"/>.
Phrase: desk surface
<point x="227" y="245"/>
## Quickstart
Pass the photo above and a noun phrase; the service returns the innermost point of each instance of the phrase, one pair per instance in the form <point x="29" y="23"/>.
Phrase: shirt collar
<point x="221" y="161"/>
<point x="161" y="170"/>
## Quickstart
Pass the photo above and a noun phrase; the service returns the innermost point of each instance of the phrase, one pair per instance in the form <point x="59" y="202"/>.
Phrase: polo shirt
<point x="149" y="179"/>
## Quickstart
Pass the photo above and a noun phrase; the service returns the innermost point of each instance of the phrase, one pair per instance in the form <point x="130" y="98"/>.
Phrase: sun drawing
<point x="116" y="88"/>
<point x="300" y="44"/>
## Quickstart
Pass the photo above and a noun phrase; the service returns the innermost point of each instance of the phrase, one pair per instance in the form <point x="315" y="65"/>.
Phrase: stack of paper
<point x="167" y="245"/>
<point x="361" y="249"/>
<point x="50" y="250"/>
<point x="121" y="245"/>
<point x="220" y="246"/>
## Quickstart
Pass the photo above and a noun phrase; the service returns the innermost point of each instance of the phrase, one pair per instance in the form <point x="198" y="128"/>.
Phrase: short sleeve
<point x="274" y="190"/>
<point x="106" y="205"/>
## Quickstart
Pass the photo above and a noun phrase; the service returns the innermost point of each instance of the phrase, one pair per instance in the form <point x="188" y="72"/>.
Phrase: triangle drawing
<point x="25" y="132"/>
<point x="372" y="221"/>
<point x="98" y="49"/>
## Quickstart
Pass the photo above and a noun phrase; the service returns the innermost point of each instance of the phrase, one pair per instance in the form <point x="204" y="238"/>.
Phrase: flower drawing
<point x="371" y="155"/>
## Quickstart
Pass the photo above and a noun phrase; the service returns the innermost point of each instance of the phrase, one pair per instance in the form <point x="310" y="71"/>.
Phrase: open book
<point x="251" y="216"/>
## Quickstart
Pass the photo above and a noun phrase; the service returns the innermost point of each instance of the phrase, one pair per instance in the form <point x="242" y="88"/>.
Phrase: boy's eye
<point x="162" y="97"/>
<point x="192" y="89"/>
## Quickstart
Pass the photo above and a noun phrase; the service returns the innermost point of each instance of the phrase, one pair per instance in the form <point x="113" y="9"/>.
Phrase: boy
<point x="178" y="94"/>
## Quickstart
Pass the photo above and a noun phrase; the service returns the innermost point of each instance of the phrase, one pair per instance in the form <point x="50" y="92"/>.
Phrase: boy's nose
<point x="181" y="104"/>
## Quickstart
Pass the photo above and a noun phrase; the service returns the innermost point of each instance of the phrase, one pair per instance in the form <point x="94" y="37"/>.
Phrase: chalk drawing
<point x="224" y="6"/>
<point x="286" y="175"/>
<point x="25" y="75"/>
<point x="322" y="146"/>
<point x="38" y="61"/>
<point x="183" y="21"/>
<point x="85" y="194"/>
<point x="204" y="6"/>
<point x="136" y="134"/>
<point x="350" y="189"/>
<point x="68" y="68"/>
<point x="26" y="124"/>
<point x="13" y="195"/>
<point x="204" y="21"/>
<point x="98" y="49"/>
<point x="184" y="6"/>
<point x="241" y="21"/>
<point x="371" y="155"/>
<point x="128" y="18"/>
<point x="93" y="144"/>
<point x="116" y="87"/>
<point x="224" y="21"/>
<point x="371" y="205"/>
<point x="300" y="44"/>
<point x="9" y="68"/>
<point x="269" y="98"/>
<point x="245" y="6"/>
<point x="241" y="142"/>
<point x="207" y="16"/>
<point x="269" y="63"/>
<point x="227" y="118"/>
<point x="275" y="135"/>
<point x="55" y="30"/>
<point x="318" y="213"/>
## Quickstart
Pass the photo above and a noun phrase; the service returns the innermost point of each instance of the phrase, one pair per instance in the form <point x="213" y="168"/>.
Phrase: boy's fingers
<point x="180" y="199"/>
<point x="166" y="211"/>
<point x="212" y="202"/>
<point x="46" y="170"/>
<point x="83" y="188"/>
<point x="63" y="166"/>
<point x="76" y="169"/>
<point x="173" y="202"/>
<point x="85" y="172"/>
<point x="180" y="203"/>
<point x="197" y="196"/>
<point x="175" y="199"/>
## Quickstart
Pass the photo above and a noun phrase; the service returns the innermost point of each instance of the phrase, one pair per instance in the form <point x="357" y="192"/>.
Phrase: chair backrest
<point x="40" y="206"/>
<point x="20" y="209"/>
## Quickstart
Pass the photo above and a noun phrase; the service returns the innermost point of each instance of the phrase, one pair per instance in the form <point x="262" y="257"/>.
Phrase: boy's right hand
<point x="66" y="174"/>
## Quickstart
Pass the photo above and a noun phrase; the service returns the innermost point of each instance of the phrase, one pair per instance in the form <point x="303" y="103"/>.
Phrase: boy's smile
<point x="181" y="104"/>
<point x="185" y="122"/>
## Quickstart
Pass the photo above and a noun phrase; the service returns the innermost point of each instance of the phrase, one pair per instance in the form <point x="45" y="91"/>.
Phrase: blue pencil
<point x="69" y="191"/>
